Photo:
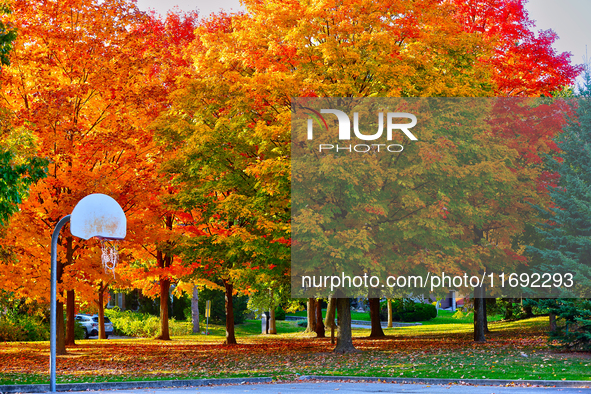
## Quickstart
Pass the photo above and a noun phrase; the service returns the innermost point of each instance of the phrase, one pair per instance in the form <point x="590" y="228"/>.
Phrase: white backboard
<point x="98" y="215"/>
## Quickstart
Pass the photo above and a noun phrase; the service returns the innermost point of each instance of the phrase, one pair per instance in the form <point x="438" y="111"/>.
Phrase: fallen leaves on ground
<point x="424" y="354"/>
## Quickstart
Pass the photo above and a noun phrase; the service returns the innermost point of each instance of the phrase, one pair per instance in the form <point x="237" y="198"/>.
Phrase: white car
<point x="90" y="325"/>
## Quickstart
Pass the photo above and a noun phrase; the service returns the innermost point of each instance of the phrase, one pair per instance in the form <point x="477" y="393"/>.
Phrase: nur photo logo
<point x="392" y="125"/>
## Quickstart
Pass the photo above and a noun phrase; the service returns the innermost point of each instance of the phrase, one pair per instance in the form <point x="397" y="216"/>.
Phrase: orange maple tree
<point x="155" y="265"/>
<point x="77" y="83"/>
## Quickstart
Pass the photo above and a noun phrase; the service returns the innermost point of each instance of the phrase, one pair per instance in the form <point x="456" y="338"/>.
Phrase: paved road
<point x="349" y="388"/>
<point x="110" y="337"/>
<point x="366" y="326"/>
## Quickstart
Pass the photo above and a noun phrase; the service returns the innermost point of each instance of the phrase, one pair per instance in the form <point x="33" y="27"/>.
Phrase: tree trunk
<point x="195" y="310"/>
<point x="230" y="337"/>
<point x="272" y="325"/>
<point x="528" y="311"/>
<point x="485" y="310"/>
<point x="479" y="303"/>
<point x="101" y="311"/>
<point x="311" y="315"/>
<point x="164" y="294"/>
<point x="319" y="328"/>
<point x="374" y="316"/>
<point x="509" y="310"/>
<point x="330" y="313"/>
<point x="344" y="336"/>
<point x="271" y="322"/>
<point x="70" y="298"/>
<point x="164" y="260"/>
<point x="552" y="317"/>
<point x="389" y="303"/>
<point x="478" y="315"/>
<point x="60" y="332"/>
<point x="70" y="317"/>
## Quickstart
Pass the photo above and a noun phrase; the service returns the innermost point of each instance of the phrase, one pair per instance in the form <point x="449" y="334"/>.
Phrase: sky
<point x="568" y="18"/>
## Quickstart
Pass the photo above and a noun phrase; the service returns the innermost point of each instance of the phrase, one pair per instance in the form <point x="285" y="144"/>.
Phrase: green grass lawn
<point x="443" y="348"/>
<point x="354" y="315"/>
<point x="443" y="317"/>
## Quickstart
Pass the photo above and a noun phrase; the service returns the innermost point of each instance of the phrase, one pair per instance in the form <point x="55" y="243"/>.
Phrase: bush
<point x="133" y="324"/>
<point x="514" y="309"/>
<point x="35" y="329"/>
<point x="143" y="325"/>
<point x="573" y="321"/>
<point x="79" y="331"/>
<point x="279" y="313"/>
<point x="406" y="310"/>
<point x="180" y="328"/>
<point x="23" y="328"/>
<point x="10" y="332"/>
<point x="459" y="314"/>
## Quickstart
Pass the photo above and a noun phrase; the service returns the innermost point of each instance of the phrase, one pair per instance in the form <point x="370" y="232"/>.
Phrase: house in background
<point x="116" y="300"/>
<point x="451" y="301"/>
<point x="125" y="301"/>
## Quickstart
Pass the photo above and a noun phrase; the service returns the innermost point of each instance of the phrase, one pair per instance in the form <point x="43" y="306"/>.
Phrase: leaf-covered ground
<point x="515" y="350"/>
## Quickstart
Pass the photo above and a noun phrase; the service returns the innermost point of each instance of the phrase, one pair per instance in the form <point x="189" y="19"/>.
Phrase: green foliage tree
<point x="15" y="180"/>
<point x="566" y="225"/>
<point x="7" y="35"/>
<point x="573" y="328"/>
<point x="565" y="228"/>
<point x="15" y="175"/>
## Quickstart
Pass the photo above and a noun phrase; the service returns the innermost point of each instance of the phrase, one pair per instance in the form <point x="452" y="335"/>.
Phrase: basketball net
<point x="109" y="255"/>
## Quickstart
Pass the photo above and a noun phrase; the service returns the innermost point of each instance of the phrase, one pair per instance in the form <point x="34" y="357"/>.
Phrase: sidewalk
<point x="356" y="388"/>
<point x="307" y="384"/>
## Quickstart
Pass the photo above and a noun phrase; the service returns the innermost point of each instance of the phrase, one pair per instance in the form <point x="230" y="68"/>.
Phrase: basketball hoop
<point x="98" y="215"/>
<point x="109" y="254"/>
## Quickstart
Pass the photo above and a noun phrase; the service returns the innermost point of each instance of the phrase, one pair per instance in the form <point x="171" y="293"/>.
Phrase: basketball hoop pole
<point x="53" y="315"/>
<point x="96" y="215"/>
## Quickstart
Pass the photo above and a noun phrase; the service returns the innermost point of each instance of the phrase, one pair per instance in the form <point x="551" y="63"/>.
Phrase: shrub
<point x="35" y="329"/>
<point x="406" y="310"/>
<point x="133" y="324"/>
<point x="514" y="309"/>
<point x="573" y="318"/>
<point x="79" y="331"/>
<point x="279" y="313"/>
<point x="143" y="325"/>
<point x="460" y="315"/>
<point x="10" y="332"/>
<point x="178" y="328"/>
<point x="23" y="328"/>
